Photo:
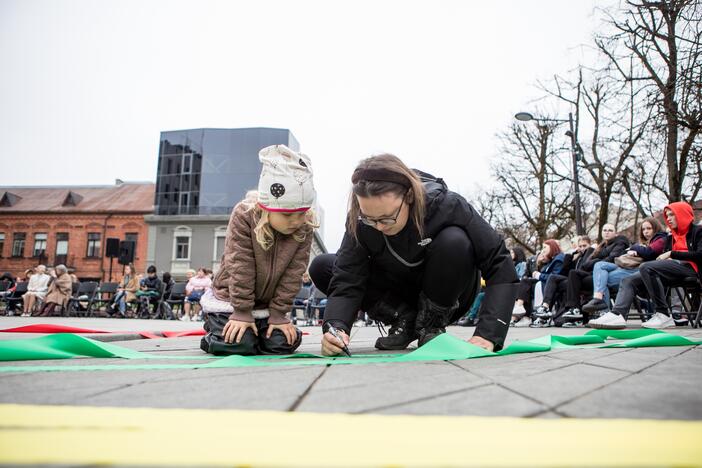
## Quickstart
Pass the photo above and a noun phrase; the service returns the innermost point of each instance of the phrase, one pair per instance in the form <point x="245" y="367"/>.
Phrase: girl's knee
<point x="277" y="343"/>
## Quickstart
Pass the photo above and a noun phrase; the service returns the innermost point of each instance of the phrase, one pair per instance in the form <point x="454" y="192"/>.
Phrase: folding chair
<point x="176" y="298"/>
<point x="317" y="306"/>
<point x="299" y="305"/>
<point x="689" y="292"/>
<point x="86" y="292"/>
<point x="16" y="297"/>
<point x="104" y="294"/>
<point x="4" y="286"/>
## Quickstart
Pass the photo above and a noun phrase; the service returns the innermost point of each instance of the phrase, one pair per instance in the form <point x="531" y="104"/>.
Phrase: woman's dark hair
<point x="151" y="269"/>
<point x="381" y="174"/>
<point x="656" y="229"/>
<point x="519" y="255"/>
<point x="166" y="277"/>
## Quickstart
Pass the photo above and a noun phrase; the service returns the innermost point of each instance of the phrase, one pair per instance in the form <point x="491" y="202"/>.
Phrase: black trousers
<point x="448" y="274"/>
<point x="628" y="289"/>
<point x="250" y="344"/>
<point x="555" y="289"/>
<point x="578" y="280"/>
<point x="659" y="274"/>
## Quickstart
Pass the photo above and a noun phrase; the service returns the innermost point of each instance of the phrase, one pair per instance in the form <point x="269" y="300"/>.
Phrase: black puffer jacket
<point x="369" y="260"/>
<point x="609" y="251"/>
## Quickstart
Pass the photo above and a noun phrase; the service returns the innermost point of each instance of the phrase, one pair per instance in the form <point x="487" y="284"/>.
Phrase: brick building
<point x="70" y="225"/>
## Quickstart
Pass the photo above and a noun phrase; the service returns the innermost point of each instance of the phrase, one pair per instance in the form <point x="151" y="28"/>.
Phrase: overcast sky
<point x="87" y="86"/>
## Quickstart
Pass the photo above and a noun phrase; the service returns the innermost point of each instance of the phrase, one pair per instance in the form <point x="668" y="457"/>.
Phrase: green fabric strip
<point x="443" y="348"/>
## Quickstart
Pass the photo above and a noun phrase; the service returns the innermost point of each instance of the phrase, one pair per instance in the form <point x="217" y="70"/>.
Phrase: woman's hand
<point x="331" y="346"/>
<point x="632" y="253"/>
<point x="288" y="329"/>
<point x="536" y="275"/>
<point x="664" y="256"/>
<point x="235" y="329"/>
<point x="482" y="342"/>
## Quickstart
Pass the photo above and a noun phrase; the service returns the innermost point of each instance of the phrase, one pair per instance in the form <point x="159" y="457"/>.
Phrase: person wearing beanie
<point x="412" y="258"/>
<point x="266" y="251"/>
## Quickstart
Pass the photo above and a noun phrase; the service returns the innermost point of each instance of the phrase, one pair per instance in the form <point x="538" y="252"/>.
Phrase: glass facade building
<point x="207" y="171"/>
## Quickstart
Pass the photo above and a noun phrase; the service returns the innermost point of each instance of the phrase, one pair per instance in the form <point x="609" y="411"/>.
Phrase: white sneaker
<point x="659" y="321"/>
<point x="523" y="322"/>
<point x="359" y="323"/>
<point x="185" y="318"/>
<point x="608" y="321"/>
<point x="518" y="311"/>
<point x="26" y="314"/>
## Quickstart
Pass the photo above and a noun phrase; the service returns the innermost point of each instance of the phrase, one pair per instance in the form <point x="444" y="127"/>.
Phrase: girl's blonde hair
<point x="265" y="234"/>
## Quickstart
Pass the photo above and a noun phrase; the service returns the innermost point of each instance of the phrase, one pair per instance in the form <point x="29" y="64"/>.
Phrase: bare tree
<point x="531" y="203"/>
<point x="663" y="40"/>
<point x="608" y="106"/>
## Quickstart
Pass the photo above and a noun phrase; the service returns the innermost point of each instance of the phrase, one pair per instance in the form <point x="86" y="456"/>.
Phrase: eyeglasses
<point x="384" y="221"/>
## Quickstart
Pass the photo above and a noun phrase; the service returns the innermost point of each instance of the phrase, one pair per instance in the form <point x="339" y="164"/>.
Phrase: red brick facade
<point x="77" y="227"/>
<point x="99" y="213"/>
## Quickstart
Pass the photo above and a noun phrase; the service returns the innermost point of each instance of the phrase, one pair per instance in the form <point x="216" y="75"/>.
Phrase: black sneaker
<point x="400" y="335"/>
<point x="572" y="314"/>
<point x="542" y="312"/>
<point x="679" y="320"/>
<point x="595" y="305"/>
<point x="541" y="323"/>
<point x="576" y="324"/>
<point x="401" y="319"/>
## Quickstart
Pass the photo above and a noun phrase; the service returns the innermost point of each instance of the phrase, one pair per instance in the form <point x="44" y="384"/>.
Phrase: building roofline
<point x="221" y="128"/>
<point x="68" y="187"/>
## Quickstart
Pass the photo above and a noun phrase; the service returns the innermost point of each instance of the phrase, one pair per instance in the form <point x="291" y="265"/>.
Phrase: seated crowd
<point x="597" y="287"/>
<point x="49" y="290"/>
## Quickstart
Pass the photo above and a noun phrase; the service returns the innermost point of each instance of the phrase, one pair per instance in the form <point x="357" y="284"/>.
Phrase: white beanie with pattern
<point x="286" y="182"/>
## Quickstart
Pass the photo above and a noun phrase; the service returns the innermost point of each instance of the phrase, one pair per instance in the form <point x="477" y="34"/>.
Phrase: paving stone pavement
<point x="658" y="383"/>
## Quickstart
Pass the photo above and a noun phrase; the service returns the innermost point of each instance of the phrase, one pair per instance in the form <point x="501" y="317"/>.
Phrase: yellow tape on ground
<point x="135" y="436"/>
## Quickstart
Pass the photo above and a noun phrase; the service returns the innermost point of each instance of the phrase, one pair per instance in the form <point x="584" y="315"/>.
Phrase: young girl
<point x="266" y="251"/>
<point x="196" y="287"/>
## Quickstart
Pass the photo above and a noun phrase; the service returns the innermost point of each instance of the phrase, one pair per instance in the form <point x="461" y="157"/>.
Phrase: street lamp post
<point x="574" y="149"/>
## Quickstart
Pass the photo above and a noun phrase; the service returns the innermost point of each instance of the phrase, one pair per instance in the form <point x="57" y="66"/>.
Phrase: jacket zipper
<point x="272" y="266"/>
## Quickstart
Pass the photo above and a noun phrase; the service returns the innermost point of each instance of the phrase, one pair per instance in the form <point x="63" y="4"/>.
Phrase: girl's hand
<point x="536" y="275"/>
<point x="331" y="346"/>
<point x="664" y="256"/>
<point x="288" y="329"/>
<point x="632" y="253"/>
<point x="234" y="330"/>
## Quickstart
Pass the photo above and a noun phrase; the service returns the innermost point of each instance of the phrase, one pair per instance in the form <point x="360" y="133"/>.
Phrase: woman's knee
<point x="320" y="271"/>
<point x="452" y="241"/>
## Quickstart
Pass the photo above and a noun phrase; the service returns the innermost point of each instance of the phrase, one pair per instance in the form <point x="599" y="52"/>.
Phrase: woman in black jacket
<point x="611" y="247"/>
<point x="412" y="257"/>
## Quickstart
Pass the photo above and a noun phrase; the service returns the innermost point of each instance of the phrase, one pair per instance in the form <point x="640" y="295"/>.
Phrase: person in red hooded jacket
<point x="682" y="259"/>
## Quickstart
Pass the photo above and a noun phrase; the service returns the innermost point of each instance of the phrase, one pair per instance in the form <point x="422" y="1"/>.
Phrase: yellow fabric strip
<point x="145" y="436"/>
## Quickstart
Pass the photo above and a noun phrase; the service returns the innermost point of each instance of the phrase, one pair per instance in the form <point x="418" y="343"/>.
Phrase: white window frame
<point x="219" y="233"/>
<point x="41" y="241"/>
<point x="182" y="231"/>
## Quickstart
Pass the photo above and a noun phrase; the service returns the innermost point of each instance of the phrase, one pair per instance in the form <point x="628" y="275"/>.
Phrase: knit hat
<point x="286" y="183"/>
